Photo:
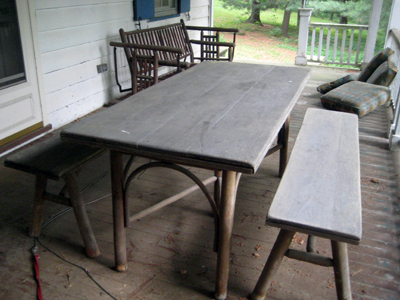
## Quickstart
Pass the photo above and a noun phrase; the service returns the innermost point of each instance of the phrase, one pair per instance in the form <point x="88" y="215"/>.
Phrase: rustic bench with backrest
<point x="148" y="49"/>
<point x="319" y="195"/>
<point x="56" y="160"/>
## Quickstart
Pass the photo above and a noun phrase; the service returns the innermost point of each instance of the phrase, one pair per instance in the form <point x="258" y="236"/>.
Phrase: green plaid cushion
<point x="356" y="97"/>
<point x="374" y="72"/>
<point x="375" y="62"/>
<point x="384" y="75"/>
<point x="326" y="87"/>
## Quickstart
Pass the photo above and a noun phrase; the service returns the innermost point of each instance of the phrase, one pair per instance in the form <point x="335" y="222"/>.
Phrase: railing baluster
<point x="335" y="44"/>
<point x="358" y="45"/>
<point x="321" y="41"/>
<point x="312" y="44"/>
<point x="328" y="42"/>
<point x="343" y="45"/>
<point x="350" y="46"/>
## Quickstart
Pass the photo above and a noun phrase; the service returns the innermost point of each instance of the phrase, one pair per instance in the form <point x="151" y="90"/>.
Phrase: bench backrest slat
<point x="173" y="35"/>
<point x="320" y="192"/>
<point x="166" y="40"/>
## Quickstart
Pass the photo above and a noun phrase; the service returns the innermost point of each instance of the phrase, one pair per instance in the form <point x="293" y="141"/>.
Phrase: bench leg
<point x="311" y="243"/>
<point x="341" y="268"/>
<point x="282" y="243"/>
<point x="283" y="139"/>
<point x="64" y="190"/>
<point x="81" y="216"/>
<point x="38" y="206"/>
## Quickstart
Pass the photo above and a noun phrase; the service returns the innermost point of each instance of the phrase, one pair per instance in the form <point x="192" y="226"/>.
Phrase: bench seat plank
<point x="320" y="191"/>
<point x="52" y="158"/>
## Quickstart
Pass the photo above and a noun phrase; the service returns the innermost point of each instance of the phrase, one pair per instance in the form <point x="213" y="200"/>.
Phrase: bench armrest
<point x="223" y="44"/>
<point x="147" y="47"/>
<point x="219" y="29"/>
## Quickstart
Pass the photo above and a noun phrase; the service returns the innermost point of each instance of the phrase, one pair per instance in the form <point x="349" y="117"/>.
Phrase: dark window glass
<point x="165" y="8"/>
<point x="12" y="70"/>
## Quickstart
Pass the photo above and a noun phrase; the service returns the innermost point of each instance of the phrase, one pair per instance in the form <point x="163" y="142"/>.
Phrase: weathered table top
<point x="215" y="115"/>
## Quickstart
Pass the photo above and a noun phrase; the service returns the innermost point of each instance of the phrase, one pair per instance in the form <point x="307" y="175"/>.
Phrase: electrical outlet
<point x="101" y="68"/>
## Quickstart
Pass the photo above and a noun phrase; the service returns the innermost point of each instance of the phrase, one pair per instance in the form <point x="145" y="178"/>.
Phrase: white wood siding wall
<point x="74" y="38"/>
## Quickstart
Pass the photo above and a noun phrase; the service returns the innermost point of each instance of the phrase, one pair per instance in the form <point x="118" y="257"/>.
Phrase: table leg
<point x="117" y="173"/>
<point x="227" y="210"/>
<point x="217" y="188"/>
<point x="283" y="139"/>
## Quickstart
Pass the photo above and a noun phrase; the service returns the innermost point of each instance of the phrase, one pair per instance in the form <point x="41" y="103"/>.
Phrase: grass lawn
<point x="258" y="42"/>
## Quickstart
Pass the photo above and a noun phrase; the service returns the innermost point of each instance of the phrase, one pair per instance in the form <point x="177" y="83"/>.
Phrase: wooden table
<point x="217" y="116"/>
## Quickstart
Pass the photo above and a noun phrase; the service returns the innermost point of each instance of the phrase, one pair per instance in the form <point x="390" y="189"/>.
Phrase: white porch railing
<point x="336" y="43"/>
<point x="328" y="43"/>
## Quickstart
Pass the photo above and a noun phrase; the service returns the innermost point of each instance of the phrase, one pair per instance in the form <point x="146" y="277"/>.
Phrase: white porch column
<point x="372" y="31"/>
<point x="305" y="15"/>
<point x="394" y="20"/>
<point x="211" y="12"/>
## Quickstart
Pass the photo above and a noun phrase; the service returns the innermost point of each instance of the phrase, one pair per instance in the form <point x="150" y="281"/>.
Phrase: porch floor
<point x="170" y="252"/>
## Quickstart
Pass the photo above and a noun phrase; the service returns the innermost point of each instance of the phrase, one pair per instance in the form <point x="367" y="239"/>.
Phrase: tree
<point x="285" y="22"/>
<point x="349" y="11"/>
<point x="255" y="12"/>
<point x="290" y="5"/>
<point x="252" y="6"/>
<point x="353" y="11"/>
<point x="343" y="18"/>
<point x="256" y="6"/>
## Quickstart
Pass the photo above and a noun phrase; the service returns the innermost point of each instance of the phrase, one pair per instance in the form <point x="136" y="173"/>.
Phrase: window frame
<point x="145" y="10"/>
<point x="166" y="10"/>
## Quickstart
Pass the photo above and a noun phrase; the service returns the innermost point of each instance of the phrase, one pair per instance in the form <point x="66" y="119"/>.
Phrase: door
<point x="20" y="105"/>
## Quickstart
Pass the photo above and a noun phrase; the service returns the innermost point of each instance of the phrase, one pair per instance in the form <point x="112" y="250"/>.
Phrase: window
<point x="145" y="9"/>
<point x="164" y="8"/>
<point x="12" y="70"/>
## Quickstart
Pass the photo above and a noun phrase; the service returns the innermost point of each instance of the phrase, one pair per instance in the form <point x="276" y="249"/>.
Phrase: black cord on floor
<point x="77" y="266"/>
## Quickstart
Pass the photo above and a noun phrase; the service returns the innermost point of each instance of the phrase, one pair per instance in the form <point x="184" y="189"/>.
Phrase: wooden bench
<point x="319" y="195"/>
<point x="55" y="159"/>
<point x="170" y="46"/>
